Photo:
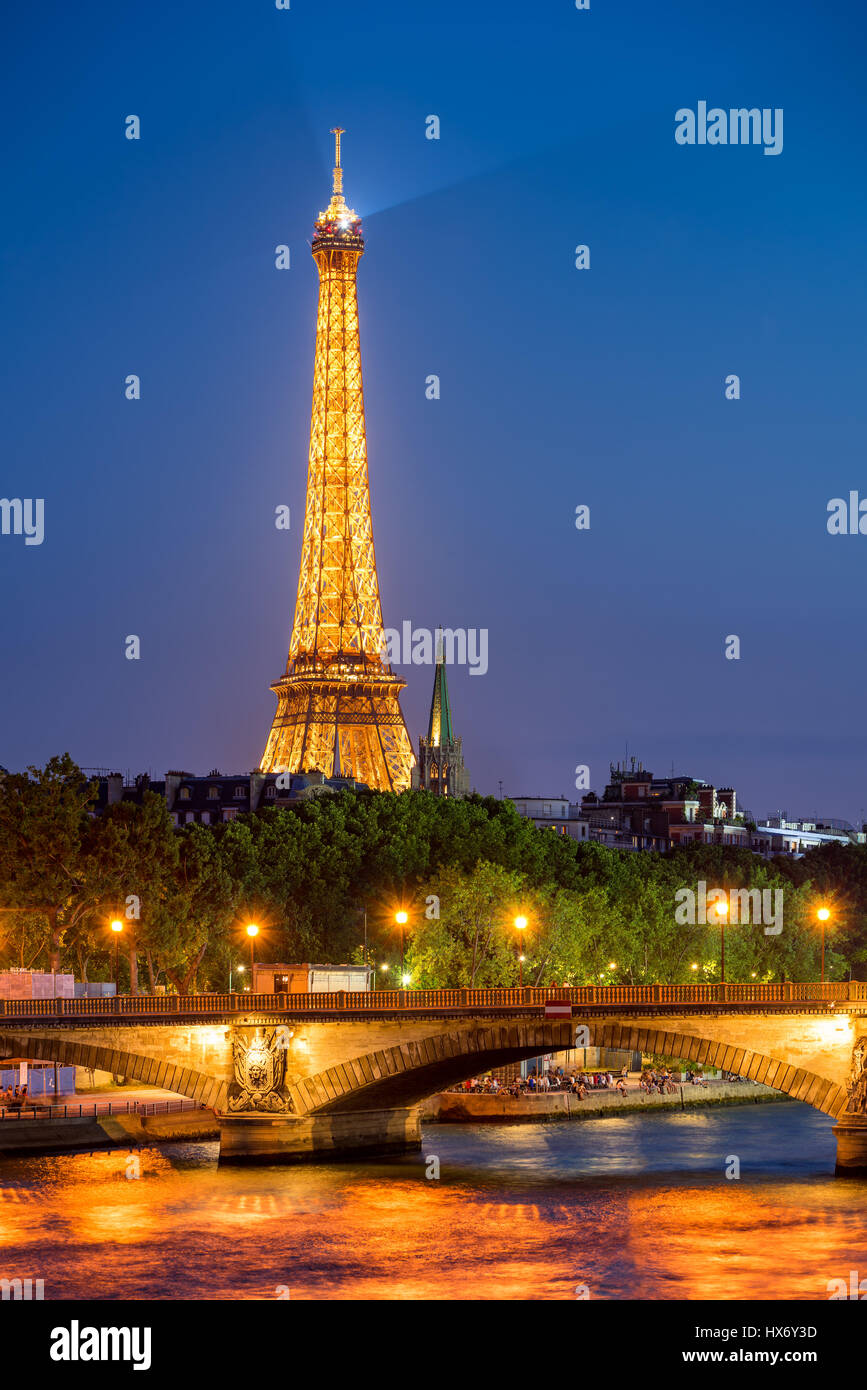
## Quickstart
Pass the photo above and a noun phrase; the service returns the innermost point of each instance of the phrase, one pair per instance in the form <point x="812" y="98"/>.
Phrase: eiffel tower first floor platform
<point x="344" y="725"/>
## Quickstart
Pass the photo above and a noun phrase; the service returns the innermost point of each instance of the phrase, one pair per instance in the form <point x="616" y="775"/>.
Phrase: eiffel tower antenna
<point x="337" y="187"/>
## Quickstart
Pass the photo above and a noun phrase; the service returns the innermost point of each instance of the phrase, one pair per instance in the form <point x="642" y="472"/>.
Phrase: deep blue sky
<point x="559" y="387"/>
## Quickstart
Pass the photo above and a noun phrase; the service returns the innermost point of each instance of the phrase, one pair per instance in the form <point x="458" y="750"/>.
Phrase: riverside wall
<point x="457" y="1107"/>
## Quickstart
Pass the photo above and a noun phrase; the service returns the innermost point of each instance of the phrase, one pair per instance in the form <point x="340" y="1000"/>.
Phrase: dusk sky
<point x="559" y="386"/>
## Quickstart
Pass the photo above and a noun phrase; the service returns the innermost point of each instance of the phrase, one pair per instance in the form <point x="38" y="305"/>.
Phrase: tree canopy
<point x="314" y="876"/>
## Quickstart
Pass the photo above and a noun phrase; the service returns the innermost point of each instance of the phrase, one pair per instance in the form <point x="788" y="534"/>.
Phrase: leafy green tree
<point x="196" y="910"/>
<point x="472" y="942"/>
<point x="130" y="855"/>
<point x="44" y="821"/>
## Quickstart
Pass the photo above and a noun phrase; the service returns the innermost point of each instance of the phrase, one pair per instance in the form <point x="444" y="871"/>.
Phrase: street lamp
<point x="520" y="925"/>
<point x="722" y="913"/>
<point x="823" y="914"/>
<point x="117" y="928"/>
<point x="252" y="932"/>
<point x="401" y="918"/>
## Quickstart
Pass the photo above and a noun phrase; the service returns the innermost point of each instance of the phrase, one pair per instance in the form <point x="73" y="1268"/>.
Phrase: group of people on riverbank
<point x="661" y="1081"/>
<point x="575" y="1082"/>
<point x="13" y="1098"/>
<point x="657" y="1080"/>
<point x="653" y="1081"/>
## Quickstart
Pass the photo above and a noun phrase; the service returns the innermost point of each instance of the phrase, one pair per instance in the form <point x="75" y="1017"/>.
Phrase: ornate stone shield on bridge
<point x="260" y="1069"/>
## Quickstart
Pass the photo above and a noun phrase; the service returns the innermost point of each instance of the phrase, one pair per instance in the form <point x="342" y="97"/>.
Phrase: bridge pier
<point x="264" y="1138"/>
<point x="851" y="1135"/>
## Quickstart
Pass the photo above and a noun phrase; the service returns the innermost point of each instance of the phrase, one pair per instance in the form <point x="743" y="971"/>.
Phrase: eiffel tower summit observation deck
<point x="338" y="709"/>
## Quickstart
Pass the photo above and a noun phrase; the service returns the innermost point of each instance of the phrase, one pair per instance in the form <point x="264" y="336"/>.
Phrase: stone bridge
<point x="306" y="1077"/>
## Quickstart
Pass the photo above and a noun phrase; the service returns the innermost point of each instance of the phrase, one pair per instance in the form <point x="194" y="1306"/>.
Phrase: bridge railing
<point x="401" y="1000"/>
<point x="68" y="1111"/>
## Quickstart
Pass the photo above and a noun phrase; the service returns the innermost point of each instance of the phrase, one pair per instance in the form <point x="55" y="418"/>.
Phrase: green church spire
<point x="439" y="729"/>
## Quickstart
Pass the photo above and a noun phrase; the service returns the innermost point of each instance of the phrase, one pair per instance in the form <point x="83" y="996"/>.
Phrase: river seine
<point x="634" y="1207"/>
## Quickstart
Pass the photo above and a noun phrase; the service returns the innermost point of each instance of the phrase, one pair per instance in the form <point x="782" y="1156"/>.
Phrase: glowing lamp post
<point x="252" y="932"/>
<point x="823" y="914"/>
<point x="721" y="909"/>
<point x="401" y="918"/>
<point x="117" y="928"/>
<point x="521" y="925"/>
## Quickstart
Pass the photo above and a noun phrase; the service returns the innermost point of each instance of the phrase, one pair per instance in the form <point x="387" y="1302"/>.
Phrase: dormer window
<point x="213" y="793"/>
<point x="271" y="791"/>
<point x="185" y="793"/>
<point x="239" y="792"/>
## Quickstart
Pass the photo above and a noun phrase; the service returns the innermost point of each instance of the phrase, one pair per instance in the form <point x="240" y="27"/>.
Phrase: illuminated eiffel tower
<point x="338" y="708"/>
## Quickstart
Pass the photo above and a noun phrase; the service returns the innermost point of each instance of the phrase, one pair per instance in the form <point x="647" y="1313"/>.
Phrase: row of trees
<point x="316" y="876"/>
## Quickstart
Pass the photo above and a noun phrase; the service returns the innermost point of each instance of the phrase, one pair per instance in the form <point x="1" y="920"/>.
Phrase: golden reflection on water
<point x="515" y="1215"/>
<point x="733" y="1241"/>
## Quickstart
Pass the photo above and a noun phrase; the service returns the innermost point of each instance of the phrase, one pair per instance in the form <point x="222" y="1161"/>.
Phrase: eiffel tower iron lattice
<point x="338" y="709"/>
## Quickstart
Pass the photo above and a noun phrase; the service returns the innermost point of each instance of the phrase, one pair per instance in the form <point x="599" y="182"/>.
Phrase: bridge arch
<point x="151" y="1071"/>
<point x="409" y="1072"/>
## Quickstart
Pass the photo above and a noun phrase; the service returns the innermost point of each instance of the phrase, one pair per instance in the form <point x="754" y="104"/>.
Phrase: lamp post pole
<point x="722" y="911"/>
<point x="520" y="926"/>
<point x="252" y="932"/>
<point x="823" y="914"/>
<point x="117" y="928"/>
<point x="401" y="919"/>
